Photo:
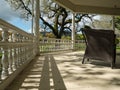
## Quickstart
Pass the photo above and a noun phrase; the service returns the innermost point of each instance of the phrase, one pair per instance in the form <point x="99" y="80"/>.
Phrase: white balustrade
<point x="17" y="50"/>
<point x="49" y="45"/>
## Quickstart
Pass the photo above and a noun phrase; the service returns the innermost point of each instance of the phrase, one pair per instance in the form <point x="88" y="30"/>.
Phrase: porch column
<point x="73" y="30"/>
<point x="113" y="23"/>
<point x="32" y="16"/>
<point x="36" y="25"/>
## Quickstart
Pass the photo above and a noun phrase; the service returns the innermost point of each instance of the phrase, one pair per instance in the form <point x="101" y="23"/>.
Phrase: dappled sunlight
<point x="29" y="79"/>
<point x="87" y="75"/>
<point x="41" y="74"/>
<point x="64" y="71"/>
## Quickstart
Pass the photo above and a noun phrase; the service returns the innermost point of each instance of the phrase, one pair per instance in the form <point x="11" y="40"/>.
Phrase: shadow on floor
<point x="51" y="76"/>
<point x="41" y="74"/>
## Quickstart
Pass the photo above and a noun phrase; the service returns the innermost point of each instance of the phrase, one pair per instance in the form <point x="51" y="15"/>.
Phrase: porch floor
<point x="64" y="71"/>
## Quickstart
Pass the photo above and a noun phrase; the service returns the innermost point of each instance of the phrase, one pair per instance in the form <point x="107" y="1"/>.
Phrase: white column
<point x="113" y="23"/>
<point x="73" y="30"/>
<point x="32" y="16"/>
<point x="36" y="28"/>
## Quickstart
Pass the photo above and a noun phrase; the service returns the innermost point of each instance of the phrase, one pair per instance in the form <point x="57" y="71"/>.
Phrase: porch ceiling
<point x="110" y="7"/>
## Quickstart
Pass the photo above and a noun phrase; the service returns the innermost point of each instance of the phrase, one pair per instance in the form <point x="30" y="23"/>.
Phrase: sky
<point x="8" y="14"/>
<point x="13" y="17"/>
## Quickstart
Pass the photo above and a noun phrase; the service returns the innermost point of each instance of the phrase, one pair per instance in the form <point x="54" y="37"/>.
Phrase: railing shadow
<point x="41" y="74"/>
<point x="29" y="78"/>
<point x="51" y="78"/>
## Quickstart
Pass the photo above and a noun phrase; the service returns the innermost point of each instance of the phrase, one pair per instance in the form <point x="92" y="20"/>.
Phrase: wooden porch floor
<point x="64" y="71"/>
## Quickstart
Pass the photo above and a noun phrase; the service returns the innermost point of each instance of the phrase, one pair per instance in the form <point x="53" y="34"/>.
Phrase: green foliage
<point x="50" y="35"/>
<point x="117" y="40"/>
<point x="57" y="19"/>
<point x="117" y="22"/>
<point x="66" y="37"/>
<point x="0" y="55"/>
<point x="79" y="37"/>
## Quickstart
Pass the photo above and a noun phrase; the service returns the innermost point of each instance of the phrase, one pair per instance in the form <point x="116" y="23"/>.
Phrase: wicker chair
<point x="100" y="45"/>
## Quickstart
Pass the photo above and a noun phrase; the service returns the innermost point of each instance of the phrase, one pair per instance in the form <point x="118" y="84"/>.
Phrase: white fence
<point x="17" y="49"/>
<point x="50" y="45"/>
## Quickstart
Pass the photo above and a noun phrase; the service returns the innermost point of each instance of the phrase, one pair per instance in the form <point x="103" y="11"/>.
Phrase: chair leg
<point x="83" y="60"/>
<point x="88" y="59"/>
<point x="113" y="64"/>
<point x="113" y="61"/>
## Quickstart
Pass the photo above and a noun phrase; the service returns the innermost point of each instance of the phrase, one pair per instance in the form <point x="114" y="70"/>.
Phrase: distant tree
<point x="117" y="22"/>
<point x="50" y="35"/>
<point x="66" y="37"/>
<point x="103" y="22"/>
<point x="54" y="17"/>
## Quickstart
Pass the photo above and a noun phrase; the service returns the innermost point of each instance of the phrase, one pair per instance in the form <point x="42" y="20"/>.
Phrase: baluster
<point x="10" y="60"/>
<point x="25" y="56"/>
<point x="14" y="52"/>
<point x="32" y="47"/>
<point x="31" y="54"/>
<point x="28" y="57"/>
<point x="29" y="49"/>
<point x="17" y="51"/>
<point x="22" y="54"/>
<point x="0" y="64"/>
<point x="20" y="50"/>
<point x="63" y="45"/>
<point x="51" y="45"/>
<point x="23" y="50"/>
<point x="26" y="50"/>
<point x="4" y="60"/>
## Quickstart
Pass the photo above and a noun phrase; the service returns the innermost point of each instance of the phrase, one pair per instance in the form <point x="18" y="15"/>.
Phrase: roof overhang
<point x="108" y="7"/>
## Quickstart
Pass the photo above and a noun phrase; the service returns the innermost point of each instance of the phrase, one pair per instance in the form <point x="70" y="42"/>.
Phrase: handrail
<point x="17" y="49"/>
<point x="13" y="28"/>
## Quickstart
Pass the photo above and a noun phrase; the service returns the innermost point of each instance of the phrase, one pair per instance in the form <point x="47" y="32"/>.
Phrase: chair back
<point x="100" y="44"/>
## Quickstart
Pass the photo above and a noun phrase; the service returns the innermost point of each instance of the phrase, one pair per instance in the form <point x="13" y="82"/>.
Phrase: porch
<point x="58" y="66"/>
<point x="20" y="69"/>
<point x="64" y="71"/>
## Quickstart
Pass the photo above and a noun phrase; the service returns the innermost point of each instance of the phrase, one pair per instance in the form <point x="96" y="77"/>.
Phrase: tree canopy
<point x="53" y="17"/>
